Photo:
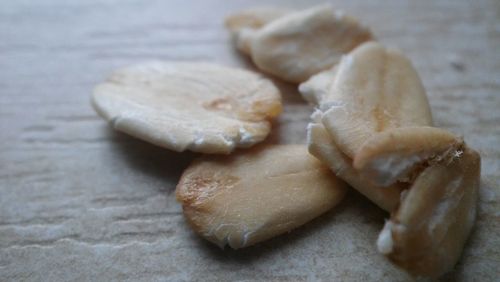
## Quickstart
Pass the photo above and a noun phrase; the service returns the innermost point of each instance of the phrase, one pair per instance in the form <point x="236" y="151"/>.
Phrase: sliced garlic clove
<point x="189" y="106"/>
<point x="426" y="235"/>
<point x="322" y="147"/>
<point x="374" y="89"/>
<point x="298" y="45"/>
<point x="395" y="154"/>
<point x="243" y="24"/>
<point x="251" y="196"/>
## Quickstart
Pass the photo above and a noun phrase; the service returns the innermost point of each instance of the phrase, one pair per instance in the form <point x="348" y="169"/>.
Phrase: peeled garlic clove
<point x="426" y="235"/>
<point x="248" y="197"/>
<point x="393" y="155"/>
<point x="298" y="45"/>
<point x="322" y="147"/>
<point x="374" y="89"/>
<point x="243" y="24"/>
<point x="200" y="107"/>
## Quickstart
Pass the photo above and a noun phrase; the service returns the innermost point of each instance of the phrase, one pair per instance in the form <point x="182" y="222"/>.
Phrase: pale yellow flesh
<point x="429" y="229"/>
<point x="393" y="154"/>
<point x="248" y="197"/>
<point x="200" y="107"/>
<point x="374" y="89"/>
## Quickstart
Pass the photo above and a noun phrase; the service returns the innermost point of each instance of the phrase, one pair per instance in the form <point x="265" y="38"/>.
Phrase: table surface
<point x="79" y="201"/>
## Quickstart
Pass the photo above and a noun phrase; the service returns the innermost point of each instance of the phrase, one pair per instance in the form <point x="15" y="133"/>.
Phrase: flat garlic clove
<point x="243" y="24"/>
<point x="426" y="235"/>
<point x="248" y="197"/>
<point x="321" y="146"/>
<point x="300" y="44"/>
<point x="374" y="89"/>
<point x="200" y="107"/>
<point x="395" y="154"/>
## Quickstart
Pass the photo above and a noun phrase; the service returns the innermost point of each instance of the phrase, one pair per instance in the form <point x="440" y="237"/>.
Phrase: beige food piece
<point x="243" y="24"/>
<point x="253" y="18"/>
<point x="200" y="107"/>
<point x="374" y="89"/>
<point x="322" y="147"/>
<point x="396" y="154"/>
<point x="372" y="128"/>
<point x="300" y="44"/>
<point x="433" y="218"/>
<point x="318" y="86"/>
<point x="248" y="197"/>
<point x="427" y="233"/>
<point x="243" y="40"/>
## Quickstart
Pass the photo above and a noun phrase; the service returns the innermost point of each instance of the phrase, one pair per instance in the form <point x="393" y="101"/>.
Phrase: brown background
<point x="81" y="202"/>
